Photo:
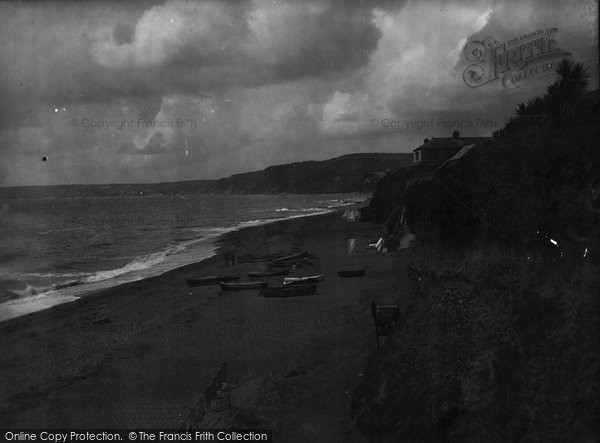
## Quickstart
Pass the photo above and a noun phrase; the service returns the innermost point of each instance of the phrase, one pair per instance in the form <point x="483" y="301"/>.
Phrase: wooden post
<point x="207" y="397"/>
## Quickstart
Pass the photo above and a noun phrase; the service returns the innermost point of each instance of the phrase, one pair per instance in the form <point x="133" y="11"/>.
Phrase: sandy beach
<point x="140" y="355"/>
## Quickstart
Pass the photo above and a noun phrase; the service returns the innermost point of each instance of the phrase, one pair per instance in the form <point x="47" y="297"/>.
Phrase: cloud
<point x="410" y="73"/>
<point x="416" y="73"/>
<point x="213" y="88"/>
<point x="250" y="44"/>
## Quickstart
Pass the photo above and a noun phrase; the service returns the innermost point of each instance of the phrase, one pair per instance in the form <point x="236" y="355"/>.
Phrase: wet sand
<point x="139" y="355"/>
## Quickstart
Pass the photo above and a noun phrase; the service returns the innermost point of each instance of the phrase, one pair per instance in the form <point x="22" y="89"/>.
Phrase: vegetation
<point x="499" y="335"/>
<point x="536" y="189"/>
<point x="491" y="347"/>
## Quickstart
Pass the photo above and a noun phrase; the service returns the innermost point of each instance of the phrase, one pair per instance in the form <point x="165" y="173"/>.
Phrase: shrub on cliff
<point x="492" y="348"/>
<point x="532" y="190"/>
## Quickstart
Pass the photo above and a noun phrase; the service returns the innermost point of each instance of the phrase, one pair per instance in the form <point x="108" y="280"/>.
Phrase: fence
<point x="214" y="386"/>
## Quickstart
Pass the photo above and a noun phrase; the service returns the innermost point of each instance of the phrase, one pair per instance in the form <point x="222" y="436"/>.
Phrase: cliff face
<point x="499" y="339"/>
<point x="349" y="173"/>
<point x="346" y="174"/>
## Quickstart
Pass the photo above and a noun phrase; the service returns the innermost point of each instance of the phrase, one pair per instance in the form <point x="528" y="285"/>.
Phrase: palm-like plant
<point x="556" y="109"/>
<point x="534" y="107"/>
<point x="564" y="94"/>
<point x="573" y="77"/>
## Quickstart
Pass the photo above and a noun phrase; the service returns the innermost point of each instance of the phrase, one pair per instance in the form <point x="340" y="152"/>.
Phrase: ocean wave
<point x="45" y="275"/>
<point x="8" y="296"/>
<point x="30" y="290"/>
<point x="177" y="246"/>
<point x="68" y="284"/>
<point x="138" y="264"/>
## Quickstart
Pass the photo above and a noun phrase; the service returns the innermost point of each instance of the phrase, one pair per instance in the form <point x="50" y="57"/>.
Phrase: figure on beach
<point x="230" y="255"/>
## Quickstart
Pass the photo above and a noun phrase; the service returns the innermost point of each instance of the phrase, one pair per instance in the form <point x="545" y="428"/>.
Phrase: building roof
<point x="464" y="150"/>
<point x="450" y="142"/>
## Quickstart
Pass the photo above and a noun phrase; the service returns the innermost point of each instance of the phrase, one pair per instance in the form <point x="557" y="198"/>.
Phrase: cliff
<point x="348" y="173"/>
<point x="345" y="174"/>
<point x="498" y="338"/>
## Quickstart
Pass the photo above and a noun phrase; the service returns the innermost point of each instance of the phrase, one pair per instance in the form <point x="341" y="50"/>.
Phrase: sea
<point x="56" y="250"/>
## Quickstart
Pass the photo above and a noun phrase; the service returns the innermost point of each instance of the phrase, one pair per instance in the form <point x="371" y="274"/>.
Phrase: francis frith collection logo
<point x="512" y="63"/>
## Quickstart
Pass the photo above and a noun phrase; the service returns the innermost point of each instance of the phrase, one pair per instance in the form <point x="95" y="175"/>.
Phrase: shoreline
<point x="215" y="245"/>
<point x="159" y="342"/>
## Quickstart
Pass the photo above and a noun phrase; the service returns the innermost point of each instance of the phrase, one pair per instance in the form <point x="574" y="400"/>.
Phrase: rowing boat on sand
<point x="242" y="286"/>
<point x="302" y="280"/>
<point x="211" y="280"/>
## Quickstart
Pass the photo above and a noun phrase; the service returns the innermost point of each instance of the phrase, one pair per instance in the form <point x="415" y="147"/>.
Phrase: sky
<point x="130" y="92"/>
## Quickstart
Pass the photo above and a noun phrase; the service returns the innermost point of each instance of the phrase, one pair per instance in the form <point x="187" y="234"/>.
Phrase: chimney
<point x="456" y="135"/>
<point x="425" y="141"/>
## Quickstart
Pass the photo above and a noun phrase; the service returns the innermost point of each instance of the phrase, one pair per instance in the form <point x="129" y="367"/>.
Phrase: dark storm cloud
<point x="61" y="56"/>
<point x="232" y="86"/>
<point x="214" y="45"/>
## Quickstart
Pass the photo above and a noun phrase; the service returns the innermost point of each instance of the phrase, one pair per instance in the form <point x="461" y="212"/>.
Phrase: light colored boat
<point x="303" y="280"/>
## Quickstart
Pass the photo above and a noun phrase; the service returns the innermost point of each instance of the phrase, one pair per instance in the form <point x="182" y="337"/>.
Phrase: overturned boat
<point x="211" y="280"/>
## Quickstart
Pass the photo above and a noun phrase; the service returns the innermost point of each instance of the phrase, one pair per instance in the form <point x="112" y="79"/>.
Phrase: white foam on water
<point x="175" y="255"/>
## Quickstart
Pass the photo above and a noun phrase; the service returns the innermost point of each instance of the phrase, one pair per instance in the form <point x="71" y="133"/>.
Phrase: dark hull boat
<point x="297" y="256"/>
<point x="353" y="273"/>
<point x="242" y="286"/>
<point x="211" y="280"/>
<point x="273" y="273"/>
<point x="289" y="290"/>
<point x="258" y="258"/>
